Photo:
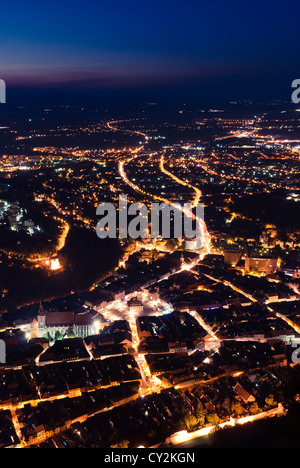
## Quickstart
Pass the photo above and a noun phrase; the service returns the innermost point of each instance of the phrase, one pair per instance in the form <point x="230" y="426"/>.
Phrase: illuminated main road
<point x="195" y="202"/>
<point x="134" y="154"/>
<point x="202" y="226"/>
<point x="198" y="193"/>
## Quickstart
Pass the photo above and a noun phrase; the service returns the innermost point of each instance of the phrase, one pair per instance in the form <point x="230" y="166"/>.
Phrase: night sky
<point x="210" y="48"/>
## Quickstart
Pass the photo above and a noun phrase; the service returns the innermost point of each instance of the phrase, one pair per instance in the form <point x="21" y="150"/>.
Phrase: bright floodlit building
<point x="56" y="325"/>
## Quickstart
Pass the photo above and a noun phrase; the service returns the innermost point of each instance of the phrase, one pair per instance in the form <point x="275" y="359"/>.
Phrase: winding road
<point x="135" y="154"/>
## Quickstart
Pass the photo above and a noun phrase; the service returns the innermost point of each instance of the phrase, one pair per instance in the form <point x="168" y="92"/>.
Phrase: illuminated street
<point x="149" y="227"/>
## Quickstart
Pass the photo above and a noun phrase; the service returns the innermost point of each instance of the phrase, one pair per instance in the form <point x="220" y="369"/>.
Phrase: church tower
<point x="41" y="321"/>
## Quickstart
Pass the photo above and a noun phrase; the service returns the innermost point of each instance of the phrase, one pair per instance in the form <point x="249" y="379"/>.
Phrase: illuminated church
<point x="55" y="325"/>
